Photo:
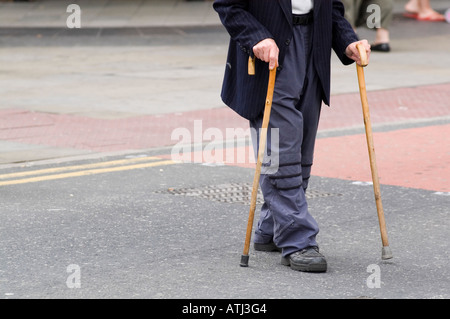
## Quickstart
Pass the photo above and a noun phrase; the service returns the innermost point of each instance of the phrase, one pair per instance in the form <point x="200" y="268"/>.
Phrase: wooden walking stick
<point x="386" y="252"/>
<point x="261" y="149"/>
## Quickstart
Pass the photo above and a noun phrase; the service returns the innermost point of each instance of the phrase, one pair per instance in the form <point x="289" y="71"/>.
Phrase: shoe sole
<point x="316" y="267"/>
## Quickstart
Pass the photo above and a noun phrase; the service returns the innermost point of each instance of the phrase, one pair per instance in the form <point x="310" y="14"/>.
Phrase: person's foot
<point x="308" y="259"/>
<point x="413" y="11"/>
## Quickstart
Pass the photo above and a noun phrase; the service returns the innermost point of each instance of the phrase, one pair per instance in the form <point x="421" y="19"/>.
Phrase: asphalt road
<point x="155" y="231"/>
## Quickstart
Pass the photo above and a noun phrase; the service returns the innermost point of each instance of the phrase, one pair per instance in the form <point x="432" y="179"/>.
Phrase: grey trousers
<point x="296" y="105"/>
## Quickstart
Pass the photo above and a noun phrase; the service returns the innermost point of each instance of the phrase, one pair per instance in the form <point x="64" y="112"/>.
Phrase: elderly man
<point x="297" y="37"/>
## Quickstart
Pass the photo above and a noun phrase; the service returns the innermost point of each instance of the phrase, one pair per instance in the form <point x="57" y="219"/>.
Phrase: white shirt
<point x="302" y="6"/>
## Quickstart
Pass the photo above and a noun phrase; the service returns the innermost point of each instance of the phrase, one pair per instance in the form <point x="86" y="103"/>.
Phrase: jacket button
<point x="288" y="41"/>
<point x="280" y="68"/>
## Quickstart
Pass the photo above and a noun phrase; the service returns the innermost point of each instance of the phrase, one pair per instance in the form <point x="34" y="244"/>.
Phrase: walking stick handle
<point x="362" y="54"/>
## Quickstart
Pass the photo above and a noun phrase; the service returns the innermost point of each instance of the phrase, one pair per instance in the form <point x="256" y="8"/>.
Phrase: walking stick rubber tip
<point x="386" y="253"/>
<point x="244" y="261"/>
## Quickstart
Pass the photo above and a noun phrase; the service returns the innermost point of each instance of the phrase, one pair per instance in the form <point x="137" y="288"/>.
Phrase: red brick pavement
<point x="388" y="106"/>
<point x="416" y="157"/>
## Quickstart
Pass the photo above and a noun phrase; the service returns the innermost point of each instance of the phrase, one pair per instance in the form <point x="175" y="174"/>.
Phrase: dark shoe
<point x="308" y="259"/>
<point x="266" y="247"/>
<point x="381" y="47"/>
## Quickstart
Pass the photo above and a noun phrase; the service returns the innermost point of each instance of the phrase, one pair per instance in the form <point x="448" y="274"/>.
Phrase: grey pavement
<point x="126" y="233"/>
<point x="131" y="13"/>
<point x="109" y="13"/>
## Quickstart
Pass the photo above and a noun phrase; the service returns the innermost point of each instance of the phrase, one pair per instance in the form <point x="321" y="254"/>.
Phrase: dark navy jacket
<point x="250" y="21"/>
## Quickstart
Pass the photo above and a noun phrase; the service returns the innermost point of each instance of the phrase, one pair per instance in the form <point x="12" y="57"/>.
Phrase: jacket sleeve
<point x="242" y="26"/>
<point x="343" y="33"/>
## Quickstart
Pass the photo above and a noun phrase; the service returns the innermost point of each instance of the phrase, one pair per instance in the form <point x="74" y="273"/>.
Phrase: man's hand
<point x="352" y="51"/>
<point x="267" y="50"/>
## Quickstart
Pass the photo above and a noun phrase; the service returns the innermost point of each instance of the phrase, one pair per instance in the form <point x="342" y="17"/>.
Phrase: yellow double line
<point x="81" y="170"/>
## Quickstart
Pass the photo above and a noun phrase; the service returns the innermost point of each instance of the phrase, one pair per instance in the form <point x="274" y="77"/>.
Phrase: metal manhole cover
<point x="232" y="193"/>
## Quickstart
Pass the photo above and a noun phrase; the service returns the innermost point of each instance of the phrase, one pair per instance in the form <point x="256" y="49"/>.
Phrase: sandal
<point x="434" y="17"/>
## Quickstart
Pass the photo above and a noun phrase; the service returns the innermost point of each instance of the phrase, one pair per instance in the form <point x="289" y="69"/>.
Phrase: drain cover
<point x="232" y="193"/>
